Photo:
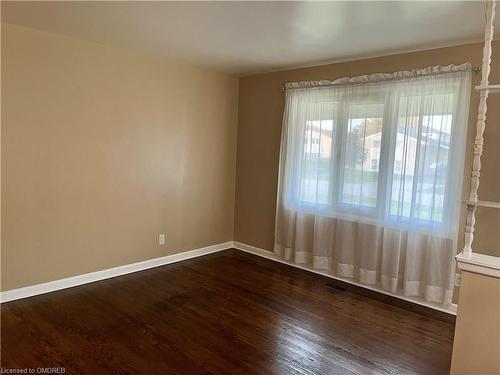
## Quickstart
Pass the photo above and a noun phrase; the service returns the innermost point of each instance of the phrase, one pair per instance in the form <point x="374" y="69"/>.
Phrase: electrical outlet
<point x="458" y="279"/>
<point x="162" y="239"/>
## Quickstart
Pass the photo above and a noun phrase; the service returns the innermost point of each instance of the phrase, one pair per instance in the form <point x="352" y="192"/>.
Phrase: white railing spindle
<point x="480" y="126"/>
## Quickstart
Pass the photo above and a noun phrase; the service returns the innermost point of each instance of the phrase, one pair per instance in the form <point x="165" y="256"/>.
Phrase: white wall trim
<point x="51" y="286"/>
<point x="481" y="264"/>
<point x="451" y="309"/>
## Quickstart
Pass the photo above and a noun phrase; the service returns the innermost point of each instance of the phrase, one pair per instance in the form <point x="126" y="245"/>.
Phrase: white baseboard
<point x="51" y="286"/>
<point x="451" y="309"/>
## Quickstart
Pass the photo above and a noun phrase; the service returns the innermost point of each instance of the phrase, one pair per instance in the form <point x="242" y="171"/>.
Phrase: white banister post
<point x="470" y="221"/>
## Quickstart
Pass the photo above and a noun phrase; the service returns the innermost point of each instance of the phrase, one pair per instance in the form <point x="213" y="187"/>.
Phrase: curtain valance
<point x="381" y="77"/>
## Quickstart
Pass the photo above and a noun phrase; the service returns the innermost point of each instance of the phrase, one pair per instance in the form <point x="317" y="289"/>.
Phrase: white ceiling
<point x="245" y="37"/>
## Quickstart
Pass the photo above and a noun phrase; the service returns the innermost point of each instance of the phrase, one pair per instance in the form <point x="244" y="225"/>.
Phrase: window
<point x="387" y="152"/>
<point x="315" y="158"/>
<point x="423" y="144"/>
<point x="360" y="180"/>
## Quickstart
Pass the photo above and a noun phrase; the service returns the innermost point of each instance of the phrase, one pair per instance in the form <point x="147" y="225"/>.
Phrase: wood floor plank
<point x="225" y="313"/>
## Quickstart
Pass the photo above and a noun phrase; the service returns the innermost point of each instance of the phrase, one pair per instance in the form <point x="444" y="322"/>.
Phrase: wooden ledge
<point x="479" y="263"/>
<point x="492" y="89"/>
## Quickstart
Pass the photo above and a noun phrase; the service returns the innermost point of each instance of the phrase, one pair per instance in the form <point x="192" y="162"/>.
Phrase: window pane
<point x="421" y="157"/>
<point x="316" y="165"/>
<point x="404" y="156"/>
<point x="362" y="154"/>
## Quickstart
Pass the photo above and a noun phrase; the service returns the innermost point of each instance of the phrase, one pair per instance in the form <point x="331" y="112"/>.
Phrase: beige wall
<point x="476" y="347"/>
<point x="149" y="147"/>
<point x="102" y="150"/>
<point x="261" y="105"/>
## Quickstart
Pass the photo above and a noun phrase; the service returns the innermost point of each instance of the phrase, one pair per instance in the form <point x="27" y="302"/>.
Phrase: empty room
<point x="250" y="187"/>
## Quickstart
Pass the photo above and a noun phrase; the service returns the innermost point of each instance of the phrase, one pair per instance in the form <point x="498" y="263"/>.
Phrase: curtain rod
<point x="475" y="69"/>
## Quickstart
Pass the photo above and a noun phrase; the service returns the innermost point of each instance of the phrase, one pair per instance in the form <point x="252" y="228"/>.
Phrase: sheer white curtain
<point x="371" y="175"/>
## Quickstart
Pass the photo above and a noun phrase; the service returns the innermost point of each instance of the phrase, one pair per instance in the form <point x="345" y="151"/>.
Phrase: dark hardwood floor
<point x="225" y="313"/>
